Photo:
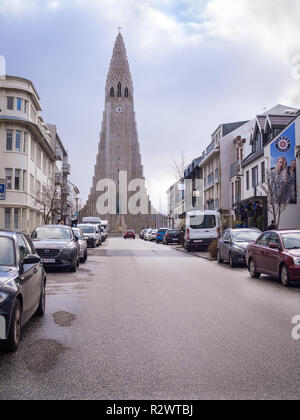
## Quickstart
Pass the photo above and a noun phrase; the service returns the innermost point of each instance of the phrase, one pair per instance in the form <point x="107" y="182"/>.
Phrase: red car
<point x="277" y="254"/>
<point x="129" y="234"/>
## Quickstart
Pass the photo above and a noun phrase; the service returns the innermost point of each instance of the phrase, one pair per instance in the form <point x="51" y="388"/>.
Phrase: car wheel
<point x="42" y="306"/>
<point x="189" y="248"/>
<point x="220" y="260"/>
<point x="284" y="276"/>
<point x="252" y="269"/>
<point x="14" y="335"/>
<point x="231" y="262"/>
<point x="73" y="268"/>
<point x="84" y="259"/>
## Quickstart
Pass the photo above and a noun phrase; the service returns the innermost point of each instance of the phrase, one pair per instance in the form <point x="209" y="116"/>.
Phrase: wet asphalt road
<point x="144" y="321"/>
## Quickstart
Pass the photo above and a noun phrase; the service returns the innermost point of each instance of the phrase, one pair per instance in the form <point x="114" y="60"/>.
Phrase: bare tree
<point x="276" y="188"/>
<point x="48" y="203"/>
<point x="179" y="166"/>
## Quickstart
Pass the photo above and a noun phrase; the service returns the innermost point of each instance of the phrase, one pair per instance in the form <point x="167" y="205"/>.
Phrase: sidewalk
<point x="198" y="254"/>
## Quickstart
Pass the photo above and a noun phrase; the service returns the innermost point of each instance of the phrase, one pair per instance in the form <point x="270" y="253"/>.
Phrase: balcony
<point x="58" y="178"/>
<point x="66" y="190"/>
<point x="58" y="154"/>
<point x="236" y="170"/>
<point x="66" y="168"/>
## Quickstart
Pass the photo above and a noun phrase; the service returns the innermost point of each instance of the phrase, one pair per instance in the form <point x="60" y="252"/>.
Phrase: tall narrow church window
<point x="119" y="90"/>
<point x="126" y="93"/>
<point x="112" y="92"/>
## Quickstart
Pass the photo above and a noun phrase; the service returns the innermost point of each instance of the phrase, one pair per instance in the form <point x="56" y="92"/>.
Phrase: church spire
<point x="119" y="75"/>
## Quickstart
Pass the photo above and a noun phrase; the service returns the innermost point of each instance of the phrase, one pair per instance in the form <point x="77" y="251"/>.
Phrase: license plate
<point x="198" y="242"/>
<point x="48" y="261"/>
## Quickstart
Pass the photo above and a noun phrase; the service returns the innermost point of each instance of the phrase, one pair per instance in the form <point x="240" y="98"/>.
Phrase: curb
<point x="193" y="254"/>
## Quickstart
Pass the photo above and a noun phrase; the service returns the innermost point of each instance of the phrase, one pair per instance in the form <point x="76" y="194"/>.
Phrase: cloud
<point x="195" y="64"/>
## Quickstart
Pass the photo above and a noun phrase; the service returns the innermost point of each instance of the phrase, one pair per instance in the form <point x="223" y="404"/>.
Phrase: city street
<point x="144" y="321"/>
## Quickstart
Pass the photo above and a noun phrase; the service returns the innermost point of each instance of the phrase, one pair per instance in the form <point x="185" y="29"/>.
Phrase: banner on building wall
<point x="2" y="189"/>
<point x="283" y="160"/>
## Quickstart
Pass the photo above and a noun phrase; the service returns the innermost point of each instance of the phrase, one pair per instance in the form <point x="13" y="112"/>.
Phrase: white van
<point x="202" y="227"/>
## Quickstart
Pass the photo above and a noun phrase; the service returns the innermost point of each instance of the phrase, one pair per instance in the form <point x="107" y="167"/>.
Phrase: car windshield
<point x="7" y="251"/>
<point x="247" y="236"/>
<point x="291" y="240"/>
<point x="174" y="232"/>
<point x="87" y="229"/>
<point x="162" y="230"/>
<point x="203" y="222"/>
<point x="52" y="233"/>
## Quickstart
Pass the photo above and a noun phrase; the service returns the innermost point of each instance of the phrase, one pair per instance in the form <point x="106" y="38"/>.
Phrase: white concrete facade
<point x="27" y="159"/>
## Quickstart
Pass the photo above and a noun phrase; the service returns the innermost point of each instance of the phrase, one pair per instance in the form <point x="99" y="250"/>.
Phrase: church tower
<point x="119" y="149"/>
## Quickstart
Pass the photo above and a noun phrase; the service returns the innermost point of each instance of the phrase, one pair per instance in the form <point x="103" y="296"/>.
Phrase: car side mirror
<point x="31" y="259"/>
<point x="274" y="246"/>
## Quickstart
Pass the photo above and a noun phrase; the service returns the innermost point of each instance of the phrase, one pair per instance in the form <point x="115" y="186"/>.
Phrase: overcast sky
<point x="195" y="64"/>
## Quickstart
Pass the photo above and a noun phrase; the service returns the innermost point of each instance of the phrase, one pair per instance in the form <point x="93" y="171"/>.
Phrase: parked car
<point x="172" y="236"/>
<point x="91" y="234"/>
<point x="233" y="245"/>
<point x="57" y="246"/>
<point x="277" y="254"/>
<point x="160" y="235"/>
<point x="143" y="233"/>
<point x="98" y="223"/>
<point x="129" y="233"/>
<point x="147" y="234"/>
<point x="22" y="287"/>
<point x="82" y="245"/>
<point x="202" y="227"/>
<point x="152" y="235"/>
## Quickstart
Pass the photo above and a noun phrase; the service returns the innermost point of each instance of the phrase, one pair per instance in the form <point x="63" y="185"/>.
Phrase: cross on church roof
<point x="119" y="29"/>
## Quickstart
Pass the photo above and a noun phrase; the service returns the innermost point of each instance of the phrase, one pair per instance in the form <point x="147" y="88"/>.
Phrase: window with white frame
<point x="9" y="140"/>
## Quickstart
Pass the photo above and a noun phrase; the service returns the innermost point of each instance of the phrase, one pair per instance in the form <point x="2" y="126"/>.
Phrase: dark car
<point x="160" y="234"/>
<point x="233" y="245"/>
<point x="277" y="254"/>
<point x="22" y="287"/>
<point x="57" y="246"/>
<point x="172" y="236"/>
<point x="129" y="233"/>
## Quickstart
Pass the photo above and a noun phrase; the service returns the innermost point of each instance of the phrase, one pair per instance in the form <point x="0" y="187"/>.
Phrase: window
<point x="17" y="179"/>
<point x="16" y="218"/>
<point x="38" y="157"/>
<point x="7" y="218"/>
<point x="18" y="141"/>
<point x="23" y="247"/>
<point x="9" y="141"/>
<point x="119" y="90"/>
<point x="112" y="92"/>
<point x="247" y="180"/>
<point x="10" y="103"/>
<point x="32" y="149"/>
<point x="263" y="172"/>
<point x="255" y="177"/>
<point x="19" y="104"/>
<point x="264" y="240"/>
<point x="8" y="175"/>
<point x="25" y="143"/>
<point x="25" y="106"/>
<point x="24" y="181"/>
<point x="126" y="93"/>
<point x="31" y="184"/>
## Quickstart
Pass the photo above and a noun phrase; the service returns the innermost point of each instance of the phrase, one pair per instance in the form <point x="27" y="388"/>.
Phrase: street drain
<point x="42" y="356"/>
<point x="64" y="319"/>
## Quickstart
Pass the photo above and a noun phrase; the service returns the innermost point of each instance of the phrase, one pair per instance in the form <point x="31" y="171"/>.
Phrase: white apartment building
<point x="27" y="155"/>
<point x="216" y="170"/>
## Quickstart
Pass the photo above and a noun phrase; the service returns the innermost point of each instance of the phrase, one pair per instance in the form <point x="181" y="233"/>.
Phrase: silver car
<point x="91" y="234"/>
<point x="82" y="244"/>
